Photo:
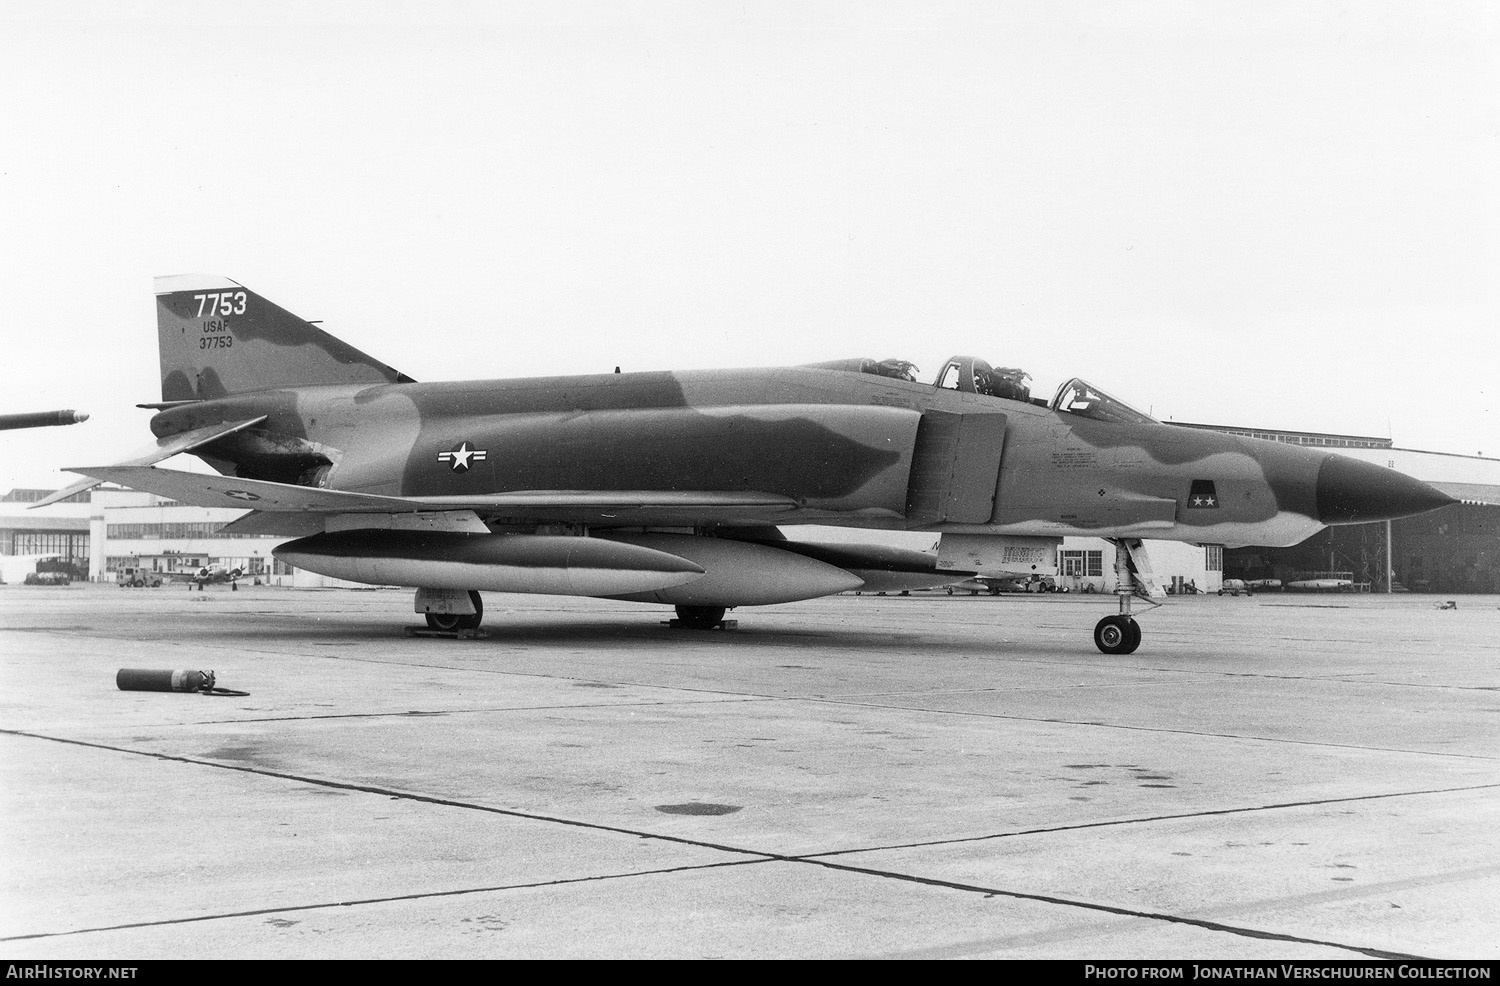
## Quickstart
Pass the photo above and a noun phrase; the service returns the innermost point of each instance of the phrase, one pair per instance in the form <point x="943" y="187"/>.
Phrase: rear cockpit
<point x="975" y="376"/>
<point x="896" y="369"/>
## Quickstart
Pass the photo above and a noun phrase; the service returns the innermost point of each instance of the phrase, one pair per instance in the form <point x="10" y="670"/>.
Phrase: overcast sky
<point x="1274" y="214"/>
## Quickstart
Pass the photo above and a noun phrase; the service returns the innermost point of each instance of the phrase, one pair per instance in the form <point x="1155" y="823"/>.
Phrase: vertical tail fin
<point x="218" y="338"/>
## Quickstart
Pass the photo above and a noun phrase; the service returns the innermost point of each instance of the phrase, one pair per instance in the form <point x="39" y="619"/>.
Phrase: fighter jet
<point x="672" y="488"/>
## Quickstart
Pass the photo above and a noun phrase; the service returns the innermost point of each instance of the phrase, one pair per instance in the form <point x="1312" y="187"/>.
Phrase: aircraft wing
<point x="164" y="448"/>
<point x="215" y="578"/>
<point x="201" y="490"/>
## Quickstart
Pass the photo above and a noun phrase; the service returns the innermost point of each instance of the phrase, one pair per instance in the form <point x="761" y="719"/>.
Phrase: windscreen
<point x="1083" y="398"/>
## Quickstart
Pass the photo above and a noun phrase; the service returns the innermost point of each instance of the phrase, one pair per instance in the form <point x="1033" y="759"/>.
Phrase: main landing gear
<point x="449" y="622"/>
<point x="700" y="617"/>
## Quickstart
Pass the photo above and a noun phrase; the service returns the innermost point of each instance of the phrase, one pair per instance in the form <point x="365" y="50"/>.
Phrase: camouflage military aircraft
<point x="671" y="488"/>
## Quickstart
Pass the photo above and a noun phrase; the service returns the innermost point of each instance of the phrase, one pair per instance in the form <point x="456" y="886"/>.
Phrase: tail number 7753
<point x="222" y="303"/>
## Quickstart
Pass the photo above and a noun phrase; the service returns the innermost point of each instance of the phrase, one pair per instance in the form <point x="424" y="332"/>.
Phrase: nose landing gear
<point x="1120" y="633"/>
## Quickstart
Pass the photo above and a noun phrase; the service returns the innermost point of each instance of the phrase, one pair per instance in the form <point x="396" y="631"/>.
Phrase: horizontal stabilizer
<point x="227" y="491"/>
<point x="164" y="448"/>
<point x="201" y="490"/>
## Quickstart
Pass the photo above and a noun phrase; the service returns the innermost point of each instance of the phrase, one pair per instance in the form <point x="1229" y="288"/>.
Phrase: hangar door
<point x="955" y="467"/>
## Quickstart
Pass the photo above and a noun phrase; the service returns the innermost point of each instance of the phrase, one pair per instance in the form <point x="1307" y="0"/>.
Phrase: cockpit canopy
<point x="896" y="369"/>
<point x="1082" y="398"/>
<point x="1077" y="396"/>
<point x="975" y="376"/>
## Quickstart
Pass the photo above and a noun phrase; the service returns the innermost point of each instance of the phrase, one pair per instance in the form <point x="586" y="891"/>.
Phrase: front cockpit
<point x="1082" y="398"/>
<point x="1077" y="396"/>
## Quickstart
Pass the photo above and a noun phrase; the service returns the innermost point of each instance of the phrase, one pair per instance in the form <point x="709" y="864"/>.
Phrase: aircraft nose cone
<point x="1351" y="491"/>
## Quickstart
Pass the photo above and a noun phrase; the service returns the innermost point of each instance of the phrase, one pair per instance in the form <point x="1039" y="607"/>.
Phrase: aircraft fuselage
<point x="851" y="448"/>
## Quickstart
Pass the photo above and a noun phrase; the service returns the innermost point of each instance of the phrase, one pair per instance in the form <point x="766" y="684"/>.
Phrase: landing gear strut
<point x="1120" y="634"/>
<point x="459" y="621"/>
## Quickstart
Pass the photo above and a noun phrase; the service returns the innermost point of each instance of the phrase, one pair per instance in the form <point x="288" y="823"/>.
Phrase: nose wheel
<point x="1118" y="634"/>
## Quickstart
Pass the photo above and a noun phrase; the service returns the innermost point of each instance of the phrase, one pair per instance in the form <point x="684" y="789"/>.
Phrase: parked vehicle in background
<point x="137" y="578"/>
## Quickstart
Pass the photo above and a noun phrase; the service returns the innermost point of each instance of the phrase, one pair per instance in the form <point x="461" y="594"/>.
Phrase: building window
<point x="1080" y="563"/>
<point x="1213" y="558"/>
<point x="175" y="531"/>
<point x="50" y="543"/>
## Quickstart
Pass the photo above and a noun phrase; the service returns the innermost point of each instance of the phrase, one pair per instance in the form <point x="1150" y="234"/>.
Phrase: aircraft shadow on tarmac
<point x="631" y="633"/>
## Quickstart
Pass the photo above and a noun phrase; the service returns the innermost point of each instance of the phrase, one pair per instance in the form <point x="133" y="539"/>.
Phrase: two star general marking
<point x="463" y="456"/>
<point x="1203" y="495"/>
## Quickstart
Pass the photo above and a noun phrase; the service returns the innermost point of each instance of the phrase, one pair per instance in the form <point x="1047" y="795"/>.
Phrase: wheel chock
<point x="474" y="633"/>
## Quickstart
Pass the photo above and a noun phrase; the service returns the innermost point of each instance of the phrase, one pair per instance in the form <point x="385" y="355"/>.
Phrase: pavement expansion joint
<point x="1122" y="911"/>
<point x="820" y="860"/>
<point x="397" y="898"/>
<point x="1336" y="769"/>
<point x="848" y="700"/>
<point x="1147" y="819"/>
<point x="407" y="714"/>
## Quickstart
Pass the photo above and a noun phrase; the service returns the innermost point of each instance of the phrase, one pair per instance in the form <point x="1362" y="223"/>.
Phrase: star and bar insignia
<point x="463" y="456"/>
<point x="1203" y="495"/>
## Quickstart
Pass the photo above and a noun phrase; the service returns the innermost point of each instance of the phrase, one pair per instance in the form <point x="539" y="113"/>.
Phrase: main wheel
<point x="700" y="617"/>
<point x="1117" y="635"/>
<point x="458" y="621"/>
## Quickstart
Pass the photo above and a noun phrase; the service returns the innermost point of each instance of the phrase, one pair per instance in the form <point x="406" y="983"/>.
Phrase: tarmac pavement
<point x="1275" y="776"/>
